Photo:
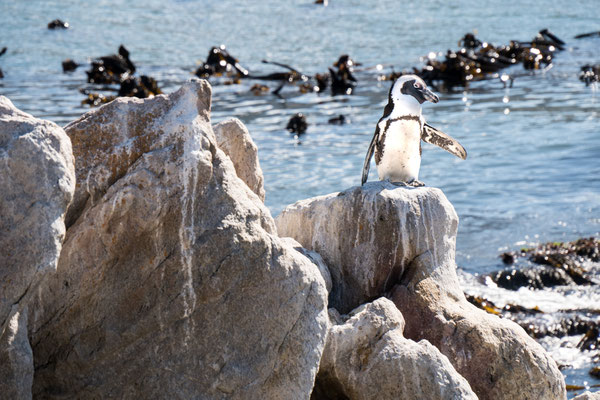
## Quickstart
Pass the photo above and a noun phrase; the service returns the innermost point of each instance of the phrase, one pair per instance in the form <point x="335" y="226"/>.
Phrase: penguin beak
<point x="429" y="95"/>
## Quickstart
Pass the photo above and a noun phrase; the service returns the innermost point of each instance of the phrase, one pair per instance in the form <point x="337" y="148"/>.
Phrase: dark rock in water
<point x="561" y="264"/>
<point x="218" y="62"/>
<point x="590" y="73"/>
<point x="595" y="372"/>
<point x="588" y="35"/>
<point x="566" y="324"/>
<point x="339" y="120"/>
<point x="535" y="278"/>
<point x="69" y="65"/>
<point x="58" y="24"/>
<point x="297" y="124"/>
<point x="111" y="69"/>
<point x="142" y="87"/>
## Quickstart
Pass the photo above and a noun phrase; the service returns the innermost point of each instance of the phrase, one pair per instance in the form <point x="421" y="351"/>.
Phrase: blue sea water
<point x="533" y="170"/>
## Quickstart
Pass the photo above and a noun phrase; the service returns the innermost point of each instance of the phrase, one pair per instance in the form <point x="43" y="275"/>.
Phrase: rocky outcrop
<point x="588" y="396"/>
<point x="367" y="236"/>
<point x="235" y="140"/>
<point x="172" y="282"/>
<point x="367" y="357"/>
<point x="36" y="185"/>
<point x="379" y="239"/>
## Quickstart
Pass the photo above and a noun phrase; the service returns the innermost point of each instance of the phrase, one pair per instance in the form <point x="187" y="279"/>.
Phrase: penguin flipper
<point x="367" y="164"/>
<point x="434" y="136"/>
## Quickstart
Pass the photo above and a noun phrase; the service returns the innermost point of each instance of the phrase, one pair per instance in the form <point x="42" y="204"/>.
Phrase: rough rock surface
<point x="367" y="236"/>
<point x="377" y="236"/>
<point x="172" y="282"/>
<point x="367" y="357"/>
<point x="588" y="396"/>
<point x="37" y="181"/>
<point x="235" y="141"/>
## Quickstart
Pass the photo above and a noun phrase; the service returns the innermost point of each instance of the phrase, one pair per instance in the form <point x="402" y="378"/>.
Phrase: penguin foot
<point x="415" y="183"/>
<point x="399" y="183"/>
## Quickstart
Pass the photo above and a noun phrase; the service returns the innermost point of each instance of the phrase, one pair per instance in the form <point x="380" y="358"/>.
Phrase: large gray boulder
<point x="172" y="282"/>
<point x="37" y="181"/>
<point x="235" y="141"/>
<point x="367" y="236"/>
<point x="381" y="238"/>
<point x="367" y="357"/>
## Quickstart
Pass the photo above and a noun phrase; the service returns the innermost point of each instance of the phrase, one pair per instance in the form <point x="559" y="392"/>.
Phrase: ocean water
<point x="533" y="170"/>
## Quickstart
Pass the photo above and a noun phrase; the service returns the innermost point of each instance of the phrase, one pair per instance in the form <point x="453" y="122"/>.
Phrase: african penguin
<point x="398" y="134"/>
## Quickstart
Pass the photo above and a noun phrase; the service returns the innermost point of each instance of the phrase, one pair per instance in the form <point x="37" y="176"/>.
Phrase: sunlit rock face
<point x="384" y="240"/>
<point x="368" y="235"/>
<point x="367" y="357"/>
<point x="37" y="181"/>
<point x="172" y="282"/>
<point x="235" y="140"/>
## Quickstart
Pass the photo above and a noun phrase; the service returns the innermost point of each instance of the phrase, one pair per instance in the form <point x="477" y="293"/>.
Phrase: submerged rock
<point x="235" y="140"/>
<point x="367" y="357"/>
<point x="172" y="281"/>
<point x="380" y="238"/>
<point x="37" y="181"/>
<point x="559" y="264"/>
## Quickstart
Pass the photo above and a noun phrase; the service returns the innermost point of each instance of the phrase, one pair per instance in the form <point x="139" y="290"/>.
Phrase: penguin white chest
<point x="400" y="160"/>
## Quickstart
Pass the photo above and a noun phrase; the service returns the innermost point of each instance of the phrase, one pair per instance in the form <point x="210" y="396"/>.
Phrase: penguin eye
<point x="418" y="85"/>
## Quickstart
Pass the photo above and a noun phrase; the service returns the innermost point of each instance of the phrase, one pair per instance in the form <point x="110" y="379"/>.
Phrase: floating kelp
<point x="69" y="65"/>
<point x="141" y="87"/>
<point x="111" y="69"/>
<point x="58" y="24"/>
<point x="96" y="99"/>
<point x="565" y="323"/>
<point x="342" y="80"/>
<point x="292" y="75"/>
<point x="297" y="124"/>
<point x="589" y="74"/>
<point x="258" y="89"/>
<point x="2" y="53"/>
<point x="339" y="120"/>
<point x="588" y="35"/>
<point x="478" y="60"/>
<point x="219" y="62"/>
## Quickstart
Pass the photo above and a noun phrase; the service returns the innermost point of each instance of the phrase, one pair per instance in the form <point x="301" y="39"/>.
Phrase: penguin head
<point x="410" y="88"/>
